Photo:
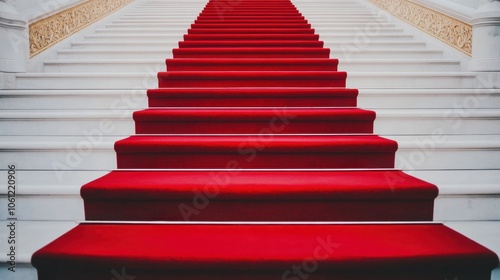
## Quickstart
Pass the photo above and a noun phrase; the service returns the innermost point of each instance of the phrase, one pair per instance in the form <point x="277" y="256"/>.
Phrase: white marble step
<point x="170" y="20"/>
<point x="362" y="80"/>
<point x="461" y="99"/>
<point x="95" y="152"/>
<point x="484" y="233"/>
<point x="119" y="122"/>
<point x="317" y="26"/>
<point x="136" y="99"/>
<point x="359" y="36"/>
<point x="180" y="30"/>
<point x="173" y="43"/>
<point x="351" y="65"/>
<point x="73" y="99"/>
<point x="342" y="52"/>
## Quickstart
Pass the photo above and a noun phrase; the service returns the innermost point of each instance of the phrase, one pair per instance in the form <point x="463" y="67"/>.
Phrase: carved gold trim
<point x="452" y="31"/>
<point x="48" y="31"/>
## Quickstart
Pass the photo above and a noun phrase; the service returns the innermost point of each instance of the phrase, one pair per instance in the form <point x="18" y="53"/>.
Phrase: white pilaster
<point x="486" y="37"/>
<point x="14" y="42"/>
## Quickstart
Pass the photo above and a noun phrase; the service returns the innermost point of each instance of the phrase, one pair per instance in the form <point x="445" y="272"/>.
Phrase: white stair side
<point x="445" y="152"/>
<point x="62" y="122"/>
<point x="138" y="45"/>
<point x="401" y="65"/>
<point x="461" y="99"/>
<point x="73" y="99"/>
<point x="119" y="122"/>
<point x="167" y="38"/>
<point x="429" y="121"/>
<point x="347" y="53"/>
<point x="411" y="80"/>
<point x="104" y="65"/>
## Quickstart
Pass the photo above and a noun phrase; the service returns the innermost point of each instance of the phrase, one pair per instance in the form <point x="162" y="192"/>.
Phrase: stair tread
<point x="242" y="114"/>
<point x="277" y="144"/>
<point x="265" y="247"/>
<point x="278" y="185"/>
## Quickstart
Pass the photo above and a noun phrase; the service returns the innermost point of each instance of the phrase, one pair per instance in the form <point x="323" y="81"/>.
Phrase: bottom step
<point x="264" y="252"/>
<point x="224" y="195"/>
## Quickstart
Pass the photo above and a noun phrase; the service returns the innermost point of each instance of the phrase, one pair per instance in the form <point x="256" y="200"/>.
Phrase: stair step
<point x="176" y="79"/>
<point x="402" y="65"/>
<point x="244" y="36"/>
<point x="127" y="81"/>
<point x="412" y="80"/>
<point x="259" y="196"/>
<point x="178" y="64"/>
<point x="424" y="251"/>
<point x="374" y="99"/>
<point x="249" y="120"/>
<point x="245" y="30"/>
<point x="256" y="64"/>
<point x="256" y="151"/>
<point x="251" y="53"/>
<point x="273" y="97"/>
<point x="249" y="44"/>
<point x="73" y="99"/>
<point x="469" y="98"/>
<point x="253" y="121"/>
<point x="227" y="23"/>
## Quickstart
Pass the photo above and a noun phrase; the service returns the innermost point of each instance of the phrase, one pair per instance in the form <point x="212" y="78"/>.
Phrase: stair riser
<point x="253" y="127"/>
<point x="174" y="24"/>
<point x="250" y="158"/>
<point x="270" y="210"/>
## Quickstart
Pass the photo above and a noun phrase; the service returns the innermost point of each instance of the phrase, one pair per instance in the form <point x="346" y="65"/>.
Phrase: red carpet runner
<point x="253" y="88"/>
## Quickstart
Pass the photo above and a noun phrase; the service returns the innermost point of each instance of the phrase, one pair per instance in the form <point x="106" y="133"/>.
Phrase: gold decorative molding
<point x="48" y="31"/>
<point x="454" y="32"/>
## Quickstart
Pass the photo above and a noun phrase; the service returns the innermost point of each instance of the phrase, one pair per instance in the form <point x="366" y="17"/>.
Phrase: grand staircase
<point x="70" y="124"/>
